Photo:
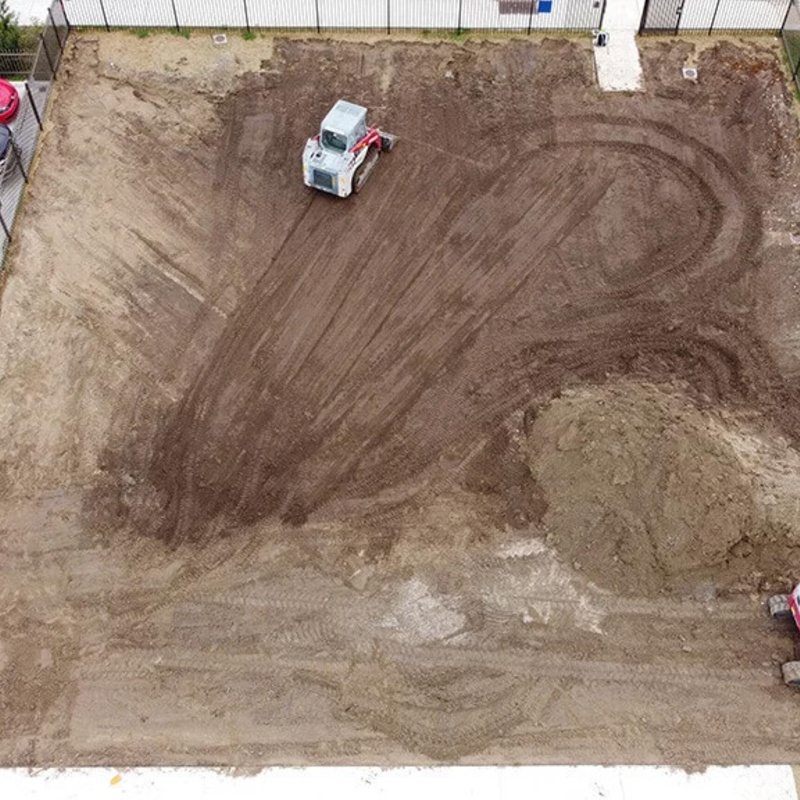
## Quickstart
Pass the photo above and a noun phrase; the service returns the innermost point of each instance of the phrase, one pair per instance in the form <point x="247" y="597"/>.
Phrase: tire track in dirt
<point x="719" y="359"/>
<point x="460" y="710"/>
<point x="326" y="360"/>
<point x="286" y="307"/>
<point x="733" y="227"/>
<point x="536" y="664"/>
<point x="446" y="702"/>
<point x="437" y="354"/>
<point x="657" y="338"/>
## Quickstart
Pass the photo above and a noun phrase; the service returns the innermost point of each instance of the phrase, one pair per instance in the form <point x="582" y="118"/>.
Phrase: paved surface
<point x="619" y="66"/>
<point x="510" y="783"/>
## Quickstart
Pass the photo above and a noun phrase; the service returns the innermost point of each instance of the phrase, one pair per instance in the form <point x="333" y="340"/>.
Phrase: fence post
<point x="713" y="18"/>
<point x="643" y="23"/>
<point x="55" y="30"/>
<point x="530" y="16"/>
<point x="786" y="15"/>
<point x="175" y="16"/>
<point x="388" y="17"/>
<point x="602" y="16"/>
<point x="66" y="18"/>
<point x="105" y="18"/>
<point x="5" y="227"/>
<point x="458" y="29"/>
<point x="47" y="56"/>
<point x="246" y="17"/>
<point x="18" y="154"/>
<point x="788" y="53"/>
<point x="316" y="6"/>
<point x="678" y="13"/>
<point x="33" y="105"/>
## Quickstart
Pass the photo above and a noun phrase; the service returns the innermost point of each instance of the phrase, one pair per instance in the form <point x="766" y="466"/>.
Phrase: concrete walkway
<point x="618" y="66"/>
<point x="432" y="783"/>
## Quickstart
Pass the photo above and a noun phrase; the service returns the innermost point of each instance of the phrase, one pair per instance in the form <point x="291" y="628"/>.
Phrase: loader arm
<point x="373" y="137"/>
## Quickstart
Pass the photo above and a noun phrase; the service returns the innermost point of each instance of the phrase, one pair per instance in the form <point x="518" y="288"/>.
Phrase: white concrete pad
<point x="619" y="68"/>
<point x="365" y="783"/>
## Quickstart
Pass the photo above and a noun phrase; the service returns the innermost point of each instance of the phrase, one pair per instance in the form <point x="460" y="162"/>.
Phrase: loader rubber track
<point x="364" y="169"/>
<point x="779" y="606"/>
<point x="791" y="673"/>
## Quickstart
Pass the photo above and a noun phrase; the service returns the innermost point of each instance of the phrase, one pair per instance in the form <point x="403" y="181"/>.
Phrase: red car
<point x="9" y="101"/>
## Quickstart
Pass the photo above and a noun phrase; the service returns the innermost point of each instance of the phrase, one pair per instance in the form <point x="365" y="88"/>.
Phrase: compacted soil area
<point x="494" y="462"/>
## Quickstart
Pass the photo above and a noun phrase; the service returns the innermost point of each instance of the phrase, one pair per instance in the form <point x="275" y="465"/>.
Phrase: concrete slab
<point x="619" y="67"/>
<point x="360" y="783"/>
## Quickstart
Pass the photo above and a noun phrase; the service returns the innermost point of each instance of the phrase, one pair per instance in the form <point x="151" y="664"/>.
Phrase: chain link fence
<point x="791" y="41"/>
<point x="524" y="16"/>
<point x="34" y="88"/>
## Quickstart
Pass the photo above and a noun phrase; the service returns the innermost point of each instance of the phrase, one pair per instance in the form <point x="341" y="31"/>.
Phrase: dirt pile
<point x="645" y="495"/>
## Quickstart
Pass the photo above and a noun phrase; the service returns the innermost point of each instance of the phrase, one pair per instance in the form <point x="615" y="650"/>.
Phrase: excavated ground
<point x="490" y="463"/>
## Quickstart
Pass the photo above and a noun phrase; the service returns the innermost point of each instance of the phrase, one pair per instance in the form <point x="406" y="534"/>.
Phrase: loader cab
<point x="343" y="127"/>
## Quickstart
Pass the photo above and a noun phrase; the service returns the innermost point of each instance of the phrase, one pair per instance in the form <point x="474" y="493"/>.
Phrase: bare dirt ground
<point x="491" y="463"/>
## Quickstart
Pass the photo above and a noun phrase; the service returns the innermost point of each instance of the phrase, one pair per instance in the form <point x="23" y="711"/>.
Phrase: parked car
<point x="6" y="146"/>
<point x="9" y="101"/>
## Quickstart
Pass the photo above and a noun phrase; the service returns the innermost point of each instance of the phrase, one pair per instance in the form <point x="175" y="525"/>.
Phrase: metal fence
<point x="321" y="15"/>
<point x="709" y="16"/>
<point x="791" y="40"/>
<point x="35" y="90"/>
<point x="16" y="65"/>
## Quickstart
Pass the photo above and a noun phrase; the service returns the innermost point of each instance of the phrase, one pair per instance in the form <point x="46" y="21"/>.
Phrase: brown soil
<point x="487" y="464"/>
<point x="646" y="494"/>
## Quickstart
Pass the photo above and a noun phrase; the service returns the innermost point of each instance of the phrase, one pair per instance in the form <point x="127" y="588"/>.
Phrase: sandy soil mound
<point x="646" y="494"/>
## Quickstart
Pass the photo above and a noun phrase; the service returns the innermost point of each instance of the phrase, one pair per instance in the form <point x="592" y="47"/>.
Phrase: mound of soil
<point x="643" y="494"/>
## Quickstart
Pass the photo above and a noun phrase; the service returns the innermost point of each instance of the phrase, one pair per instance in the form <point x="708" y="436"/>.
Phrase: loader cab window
<point x="334" y="141"/>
